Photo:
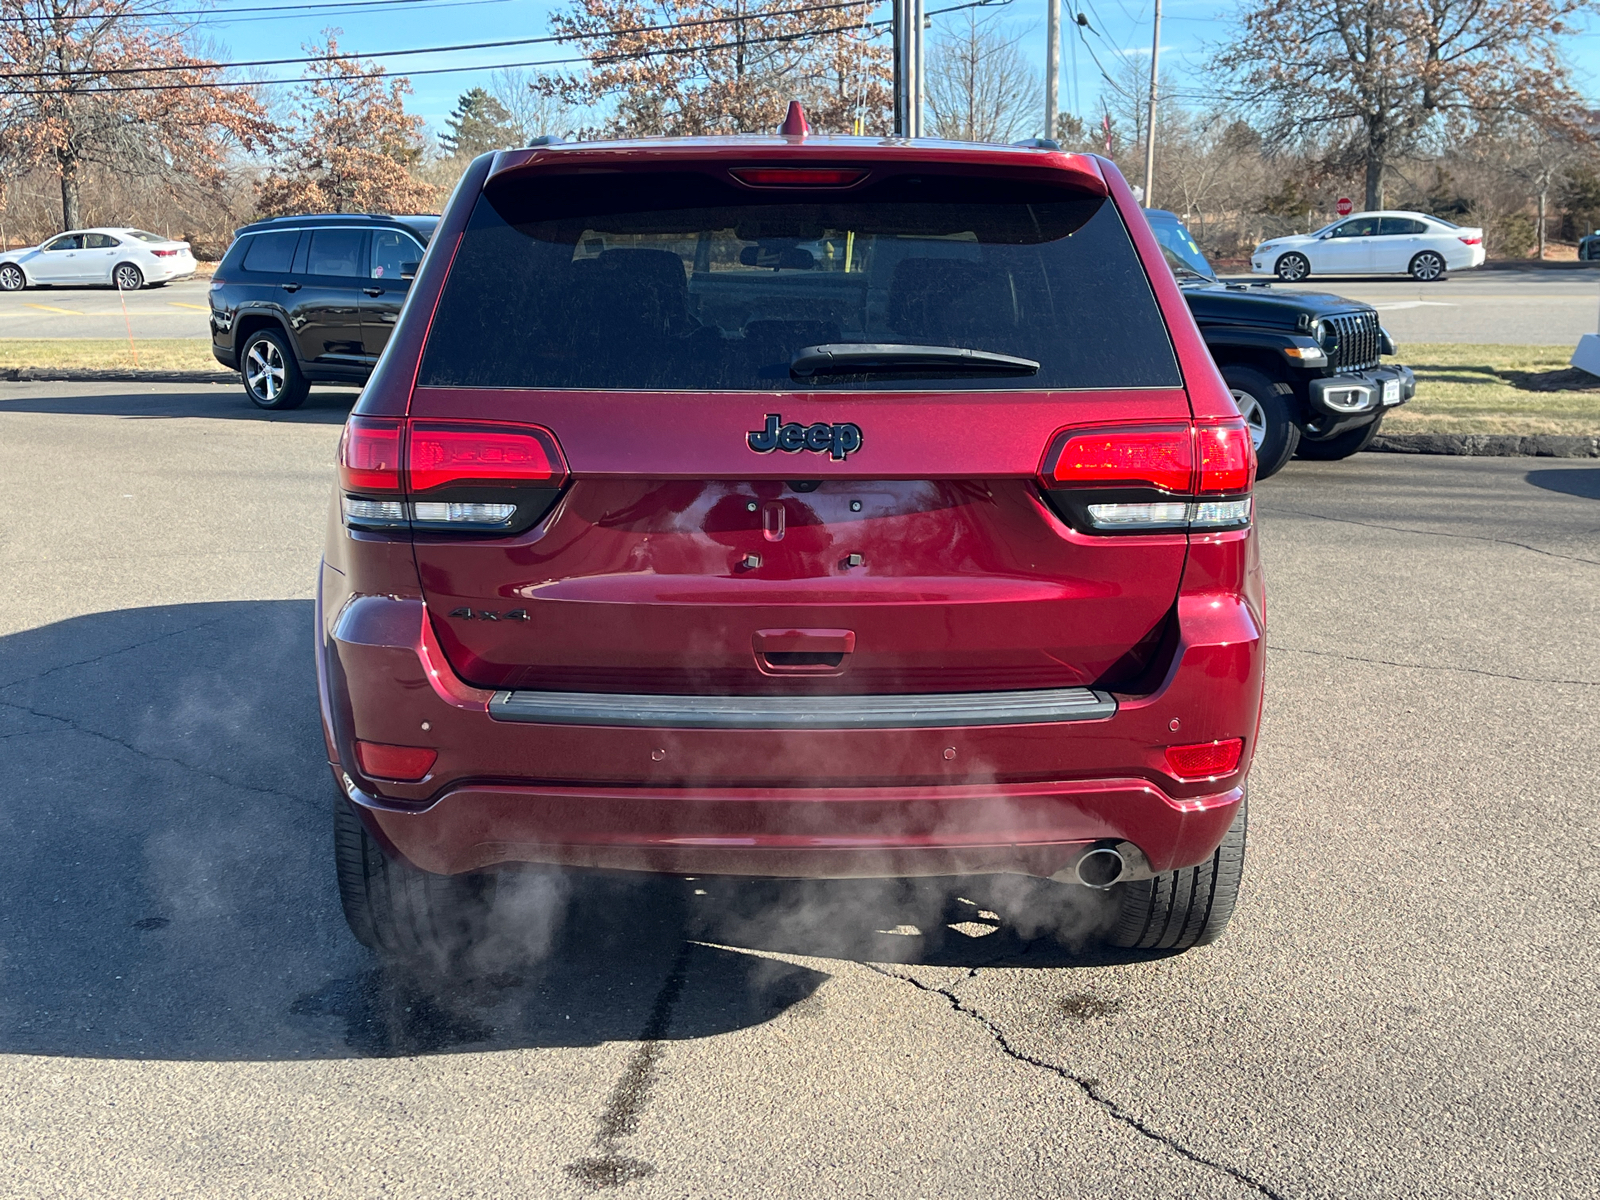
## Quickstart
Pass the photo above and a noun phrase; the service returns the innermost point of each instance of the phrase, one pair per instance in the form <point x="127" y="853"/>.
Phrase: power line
<point x="554" y="62"/>
<point x="278" y="11"/>
<point x="496" y="45"/>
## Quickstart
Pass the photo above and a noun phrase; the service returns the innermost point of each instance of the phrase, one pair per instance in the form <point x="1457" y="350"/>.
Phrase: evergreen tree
<point x="479" y="123"/>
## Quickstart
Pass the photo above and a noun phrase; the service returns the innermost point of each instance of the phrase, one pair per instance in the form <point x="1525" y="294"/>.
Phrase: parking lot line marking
<point x="71" y="312"/>
<point x="196" y="307"/>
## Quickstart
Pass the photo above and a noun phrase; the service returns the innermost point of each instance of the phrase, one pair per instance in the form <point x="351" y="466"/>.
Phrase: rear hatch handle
<point x="803" y="651"/>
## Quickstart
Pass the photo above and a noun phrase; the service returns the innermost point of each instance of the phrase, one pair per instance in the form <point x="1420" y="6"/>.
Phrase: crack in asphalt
<point x="620" y="1117"/>
<point x="143" y="753"/>
<point x="1088" y="1086"/>
<point x="84" y="662"/>
<point x="1468" y="537"/>
<point x="1384" y="662"/>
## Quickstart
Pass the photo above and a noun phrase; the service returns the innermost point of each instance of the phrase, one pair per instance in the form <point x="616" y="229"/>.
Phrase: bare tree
<point x="1375" y="76"/>
<point x="532" y="109"/>
<point x="1541" y="154"/>
<point x="115" y="83"/>
<point x="730" y="67"/>
<point x="979" y="87"/>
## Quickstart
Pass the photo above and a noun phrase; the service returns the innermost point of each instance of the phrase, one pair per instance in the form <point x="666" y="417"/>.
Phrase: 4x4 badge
<point x="483" y="614"/>
<point x="837" y="441"/>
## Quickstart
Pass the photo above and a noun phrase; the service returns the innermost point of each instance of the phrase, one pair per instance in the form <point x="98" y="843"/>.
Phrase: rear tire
<point x="1266" y="413"/>
<point x="1352" y="441"/>
<point x="127" y="278"/>
<point x="1427" y="267"/>
<point x="1184" y="908"/>
<point x="272" y="377"/>
<point x="405" y="915"/>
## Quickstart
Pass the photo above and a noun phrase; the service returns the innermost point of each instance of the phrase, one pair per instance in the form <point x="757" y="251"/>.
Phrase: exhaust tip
<point x="1101" y="867"/>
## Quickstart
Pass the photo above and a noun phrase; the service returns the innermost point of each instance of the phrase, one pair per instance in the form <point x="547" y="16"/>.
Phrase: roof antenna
<point x="795" y="124"/>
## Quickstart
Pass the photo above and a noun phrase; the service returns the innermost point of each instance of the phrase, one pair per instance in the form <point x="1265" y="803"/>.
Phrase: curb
<point x="111" y="375"/>
<point x="1489" y="445"/>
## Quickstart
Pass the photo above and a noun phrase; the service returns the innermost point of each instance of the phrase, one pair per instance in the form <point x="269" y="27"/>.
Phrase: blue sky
<point x="1188" y="26"/>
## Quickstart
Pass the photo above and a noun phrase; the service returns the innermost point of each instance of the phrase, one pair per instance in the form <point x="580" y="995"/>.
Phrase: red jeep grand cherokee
<point x="792" y="506"/>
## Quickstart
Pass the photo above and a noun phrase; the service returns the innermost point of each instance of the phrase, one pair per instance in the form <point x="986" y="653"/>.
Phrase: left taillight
<point x="475" y="477"/>
<point x="1152" y="478"/>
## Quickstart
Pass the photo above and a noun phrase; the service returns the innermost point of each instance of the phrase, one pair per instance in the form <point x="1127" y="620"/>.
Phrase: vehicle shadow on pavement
<point x="225" y="402"/>
<point x="1570" y="481"/>
<point x="165" y="845"/>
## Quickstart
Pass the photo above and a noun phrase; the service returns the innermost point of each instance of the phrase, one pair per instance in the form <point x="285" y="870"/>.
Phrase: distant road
<point x="1534" y="307"/>
<point x="1525" y="307"/>
<point x="175" y="311"/>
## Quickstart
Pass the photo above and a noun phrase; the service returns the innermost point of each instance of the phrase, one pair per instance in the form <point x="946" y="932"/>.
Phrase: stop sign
<point x="1344" y="206"/>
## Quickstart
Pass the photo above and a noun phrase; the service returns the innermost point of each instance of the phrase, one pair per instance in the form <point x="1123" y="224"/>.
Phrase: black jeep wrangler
<point x="1303" y="366"/>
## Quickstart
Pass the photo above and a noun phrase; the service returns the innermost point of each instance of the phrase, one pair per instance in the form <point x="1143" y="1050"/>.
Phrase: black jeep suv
<point x="1303" y="366"/>
<point x="302" y="300"/>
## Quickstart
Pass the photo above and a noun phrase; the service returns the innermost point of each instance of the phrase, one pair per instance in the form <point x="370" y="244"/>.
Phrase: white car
<point x="123" y="258"/>
<point x="1373" y="243"/>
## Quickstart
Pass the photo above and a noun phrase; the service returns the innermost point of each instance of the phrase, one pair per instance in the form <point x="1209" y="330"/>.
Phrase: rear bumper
<point x="1023" y="798"/>
<point x="834" y="833"/>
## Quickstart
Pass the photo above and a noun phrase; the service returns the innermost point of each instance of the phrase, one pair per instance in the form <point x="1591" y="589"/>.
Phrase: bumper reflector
<point x="406" y="764"/>
<point x="1205" y="760"/>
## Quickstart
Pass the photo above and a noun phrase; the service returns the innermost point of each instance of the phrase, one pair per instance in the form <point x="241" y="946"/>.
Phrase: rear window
<point x="270" y="252"/>
<point x="686" y="282"/>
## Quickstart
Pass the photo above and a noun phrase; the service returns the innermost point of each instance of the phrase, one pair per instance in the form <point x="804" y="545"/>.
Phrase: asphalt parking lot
<point x="1528" y="306"/>
<point x="1405" y="1006"/>
<point x="177" y="310"/>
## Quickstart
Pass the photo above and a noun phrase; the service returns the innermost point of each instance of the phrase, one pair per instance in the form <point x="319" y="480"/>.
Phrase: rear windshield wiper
<point x="867" y="358"/>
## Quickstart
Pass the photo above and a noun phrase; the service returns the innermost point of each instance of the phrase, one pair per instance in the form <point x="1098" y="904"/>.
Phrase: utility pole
<point x="898" y="23"/>
<point x="908" y="19"/>
<point x="1052" y="67"/>
<point x="920" y="85"/>
<point x="1150" y="122"/>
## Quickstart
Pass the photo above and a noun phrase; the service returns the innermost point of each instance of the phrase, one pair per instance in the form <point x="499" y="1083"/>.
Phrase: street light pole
<point x="1052" y="67"/>
<point x="1150" y="122"/>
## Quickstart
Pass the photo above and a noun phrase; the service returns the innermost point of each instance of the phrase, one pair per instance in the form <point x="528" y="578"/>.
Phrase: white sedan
<point x="123" y="258"/>
<point x="1373" y="243"/>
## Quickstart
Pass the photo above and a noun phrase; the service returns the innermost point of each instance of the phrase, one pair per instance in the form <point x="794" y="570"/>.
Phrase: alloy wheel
<point x="1255" y="416"/>
<point x="12" y="279"/>
<point x="1292" y="268"/>
<point x="1427" y="267"/>
<point x="129" y="278"/>
<point x="264" y="371"/>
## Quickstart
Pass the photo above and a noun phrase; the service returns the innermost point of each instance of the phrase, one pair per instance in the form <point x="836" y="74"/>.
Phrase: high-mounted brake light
<point x="1153" y="456"/>
<point x="369" y="455"/>
<point x="1205" y="760"/>
<point x="798" y="176"/>
<point x="465" y="453"/>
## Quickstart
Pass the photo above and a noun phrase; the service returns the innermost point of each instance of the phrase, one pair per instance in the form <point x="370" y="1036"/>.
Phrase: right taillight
<point x="475" y="477"/>
<point x="1152" y="478"/>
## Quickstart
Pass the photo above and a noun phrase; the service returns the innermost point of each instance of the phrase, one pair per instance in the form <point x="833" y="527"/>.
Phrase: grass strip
<point x="1464" y="388"/>
<point x="155" y="354"/>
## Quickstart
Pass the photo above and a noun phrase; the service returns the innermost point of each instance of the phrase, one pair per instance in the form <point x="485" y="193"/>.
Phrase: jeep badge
<point x="837" y="441"/>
